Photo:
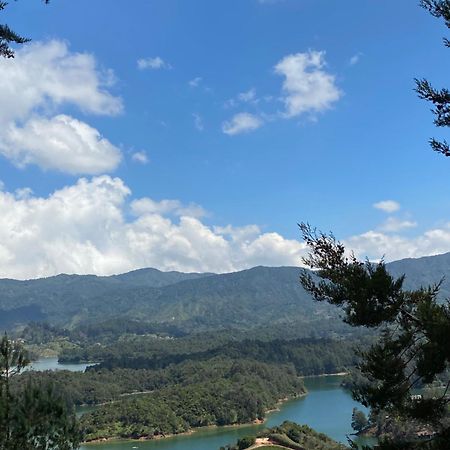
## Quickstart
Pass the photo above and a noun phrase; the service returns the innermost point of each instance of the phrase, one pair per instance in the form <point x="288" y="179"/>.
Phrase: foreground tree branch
<point x="414" y="330"/>
<point x="9" y="37"/>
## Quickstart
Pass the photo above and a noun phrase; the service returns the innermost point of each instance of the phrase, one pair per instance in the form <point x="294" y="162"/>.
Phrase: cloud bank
<point x="93" y="227"/>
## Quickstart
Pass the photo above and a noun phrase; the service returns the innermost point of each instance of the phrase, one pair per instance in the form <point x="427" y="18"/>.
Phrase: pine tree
<point x="32" y="417"/>
<point x="414" y="334"/>
<point x="12" y="361"/>
<point x="8" y="36"/>
<point x="440" y="98"/>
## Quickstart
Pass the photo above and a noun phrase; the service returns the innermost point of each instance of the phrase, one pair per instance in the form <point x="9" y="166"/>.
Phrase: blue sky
<point x="212" y="127"/>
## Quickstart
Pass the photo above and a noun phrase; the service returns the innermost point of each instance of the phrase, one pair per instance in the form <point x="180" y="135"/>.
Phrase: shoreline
<point x="197" y="429"/>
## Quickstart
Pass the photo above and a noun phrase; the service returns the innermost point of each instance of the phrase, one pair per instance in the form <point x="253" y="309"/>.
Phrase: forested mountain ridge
<point x="252" y="297"/>
<point x="240" y="299"/>
<point x="424" y="271"/>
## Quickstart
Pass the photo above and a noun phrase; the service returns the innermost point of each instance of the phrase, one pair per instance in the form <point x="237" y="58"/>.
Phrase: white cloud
<point x="87" y="228"/>
<point x="152" y="63"/>
<point x="307" y="87"/>
<point x="47" y="75"/>
<point x="355" y="59"/>
<point x="198" y="122"/>
<point x="42" y="78"/>
<point x="243" y="97"/>
<point x="84" y="228"/>
<point x="376" y="244"/>
<point x="140" y="157"/>
<point x="247" y="96"/>
<point x="23" y="193"/>
<point x="61" y="143"/>
<point x="146" y="205"/>
<point x="241" y="123"/>
<point x="388" y="206"/>
<point x="392" y="224"/>
<point x="195" y="82"/>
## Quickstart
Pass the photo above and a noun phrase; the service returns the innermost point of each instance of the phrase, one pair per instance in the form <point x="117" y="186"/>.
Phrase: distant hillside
<point x="62" y="298"/>
<point x="256" y="297"/>
<point x="154" y="277"/>
<point x="195" y="302"/>
<point x="424" y="272"/>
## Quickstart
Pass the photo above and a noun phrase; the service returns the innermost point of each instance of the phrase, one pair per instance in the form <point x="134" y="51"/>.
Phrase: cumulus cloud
<point x="388" y="206"/>
<point x="241" y="123"/>
<point x="376" y="244"/>
<point x="307" y="87"/>
<point x="164" y="207"/>
<point x="48" y="75"/>
<point x="86" y="228"/>
<point x="152" y="63"/>
<point x="41" y="79"/>
<point x="140" y="157"/>
<point x="62" y="143"/>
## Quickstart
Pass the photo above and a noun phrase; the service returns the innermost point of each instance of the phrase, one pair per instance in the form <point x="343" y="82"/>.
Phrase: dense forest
<point x="150" y="385"/>
<point x="154" y="378"/>
<point x="102" y="384"/>
<point x="309" y="356"/>
<point x="216" y="392"/>
<point x="180" y="303"/>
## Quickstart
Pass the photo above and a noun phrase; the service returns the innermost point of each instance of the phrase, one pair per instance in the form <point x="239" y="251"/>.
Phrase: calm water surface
<point x="53" y="364"/>
<point x="326" y="408"/>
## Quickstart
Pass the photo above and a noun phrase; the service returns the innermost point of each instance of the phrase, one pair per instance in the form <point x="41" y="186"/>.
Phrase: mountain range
<point x="192" y="301"/>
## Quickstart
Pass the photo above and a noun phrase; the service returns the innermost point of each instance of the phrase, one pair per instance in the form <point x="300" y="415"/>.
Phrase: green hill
<point x="257" y="297"/>
<point x="425" y="271"/>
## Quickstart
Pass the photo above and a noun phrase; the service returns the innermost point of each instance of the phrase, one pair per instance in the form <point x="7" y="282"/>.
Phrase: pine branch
<point x="8" y="36"/>
<point x="440" y="147"/>
<point x="438" y="8"/>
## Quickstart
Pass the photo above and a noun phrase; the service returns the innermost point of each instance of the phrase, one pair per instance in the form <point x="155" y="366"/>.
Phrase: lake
<point x="326" y="408"/>
<point x="52" y="364"/>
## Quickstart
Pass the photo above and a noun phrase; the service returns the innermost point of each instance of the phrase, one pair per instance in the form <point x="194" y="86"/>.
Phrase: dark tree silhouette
<point x="32" y="417"/>
<point x="414" y="334"/>
<point x="439" y="98"/>
<point x="8" y="36"/>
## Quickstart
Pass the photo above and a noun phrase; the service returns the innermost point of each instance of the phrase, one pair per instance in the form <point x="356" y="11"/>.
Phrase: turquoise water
<point x="326" y="408"/>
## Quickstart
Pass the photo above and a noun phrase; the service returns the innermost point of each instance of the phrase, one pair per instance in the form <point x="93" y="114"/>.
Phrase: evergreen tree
<point x="8" y="36"/>
<point x="440" y="98"/>
<point x="32" y="417"/>
<point x="12" y="361"/>
<point x="414" y="332"/>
